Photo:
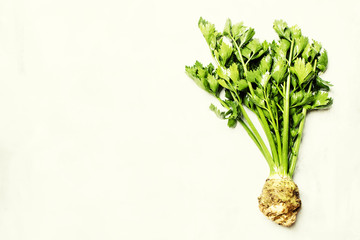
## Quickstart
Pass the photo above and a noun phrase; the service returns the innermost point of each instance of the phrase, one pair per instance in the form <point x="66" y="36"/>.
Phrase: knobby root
<point x="280" y="201"/>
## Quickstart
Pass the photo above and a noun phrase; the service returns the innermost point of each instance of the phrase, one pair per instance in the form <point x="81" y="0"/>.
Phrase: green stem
<point x="282" y="110"/>
<point x="295" y="153"/>
<point x="285" y="139"/>
<point x="262" y="119"/>
<point x="252" y="136"/>
<point x="277" y="86"/>
<point x="277" y="134"/>
<point x="241" y="58"/>
<point x="314" y="69"/>
<point x="267" y="154"/>
<point x="255" y="136"/>
<point x="296" y="147"/>
<point x="266" y="128"/>
<point x="222" y="103"/>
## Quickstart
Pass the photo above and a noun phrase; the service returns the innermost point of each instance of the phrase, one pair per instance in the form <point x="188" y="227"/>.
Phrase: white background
<point x="103" y="136"/>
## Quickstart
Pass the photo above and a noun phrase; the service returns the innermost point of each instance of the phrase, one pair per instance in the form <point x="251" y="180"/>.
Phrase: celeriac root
<point x="279" y="200"/>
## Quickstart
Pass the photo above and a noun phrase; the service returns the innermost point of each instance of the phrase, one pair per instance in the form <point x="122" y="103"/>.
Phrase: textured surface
<point x="280" y="201"/>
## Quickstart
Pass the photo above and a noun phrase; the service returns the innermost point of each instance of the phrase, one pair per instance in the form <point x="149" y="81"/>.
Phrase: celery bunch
<point x="279" y="82"/>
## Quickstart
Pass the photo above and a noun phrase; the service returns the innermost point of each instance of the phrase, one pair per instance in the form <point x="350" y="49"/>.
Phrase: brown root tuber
<point x="279" y="200"/>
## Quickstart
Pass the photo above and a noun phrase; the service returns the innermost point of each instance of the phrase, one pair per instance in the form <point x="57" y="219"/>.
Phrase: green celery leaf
<point x="213" y="83"/>
<point x="209" y="32"/>
<point x="218" y="113"/>
<point x="307" y="98"/>
<point x="193" y="73"/>
<point x="252" y="50"/>
<point x="293" y="111"/>
<point x="279" y="71"/>
<point x="234" y="72"/>
<point x="308" y="54"/>
<point x="322" y="100"/>
<point x="241" y="85"/>
<point x="258" y="53"/>
<point x="322" y="84"/>
<point x="223" y="83"/>
<point x="265" y="64"/>
<point x="246" y="37"/>
<point x="257" y="101"/>
<point x="245" y="52"/>
<point x="293" y="80"/>
<point x="222" y="73"/>
<point x="302" y="71"/>
<point x="295" y="31"/>
<point x="300" y="44"/>
<point x="225" y="52"/>
<point x="259" y="92"/>
<point x="293" y="133"/>
<point x="254" y="76"/>
<point x="297" y="119"/>
<point x="281" y="28"/>
<point x="248" y="103"/>
<point x="224" y="78"/>
<point x="202" y="72"/>
<point x="232" y="123"/>
<point x="258" y="77"/>
<point x="227" y="28"/>
<point x="210" y="68"/>
<point x="316" y="46"/>
<point x="322" y="61"/>
<point x="254" y="45"/>
<point x="216" y="54"/>
<point x="274" y="90"/>
<point x="281" y="48"/>
<point x="204" y="77"/>
<point x="265" y="79"/>
<point x="296" y="97"/>
<point x="228" y="94"/>
<point x="234" y="107"/>
<point x="265" y="46"/>
<point x="237" y="30"/>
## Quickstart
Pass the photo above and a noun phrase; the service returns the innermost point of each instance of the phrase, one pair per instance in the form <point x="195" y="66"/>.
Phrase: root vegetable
<point x="280" y="83"/>
<point x="279" y="200"/>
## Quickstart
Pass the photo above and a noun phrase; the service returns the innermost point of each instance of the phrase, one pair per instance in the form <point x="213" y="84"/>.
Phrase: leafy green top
<point x="279" y="81"/>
